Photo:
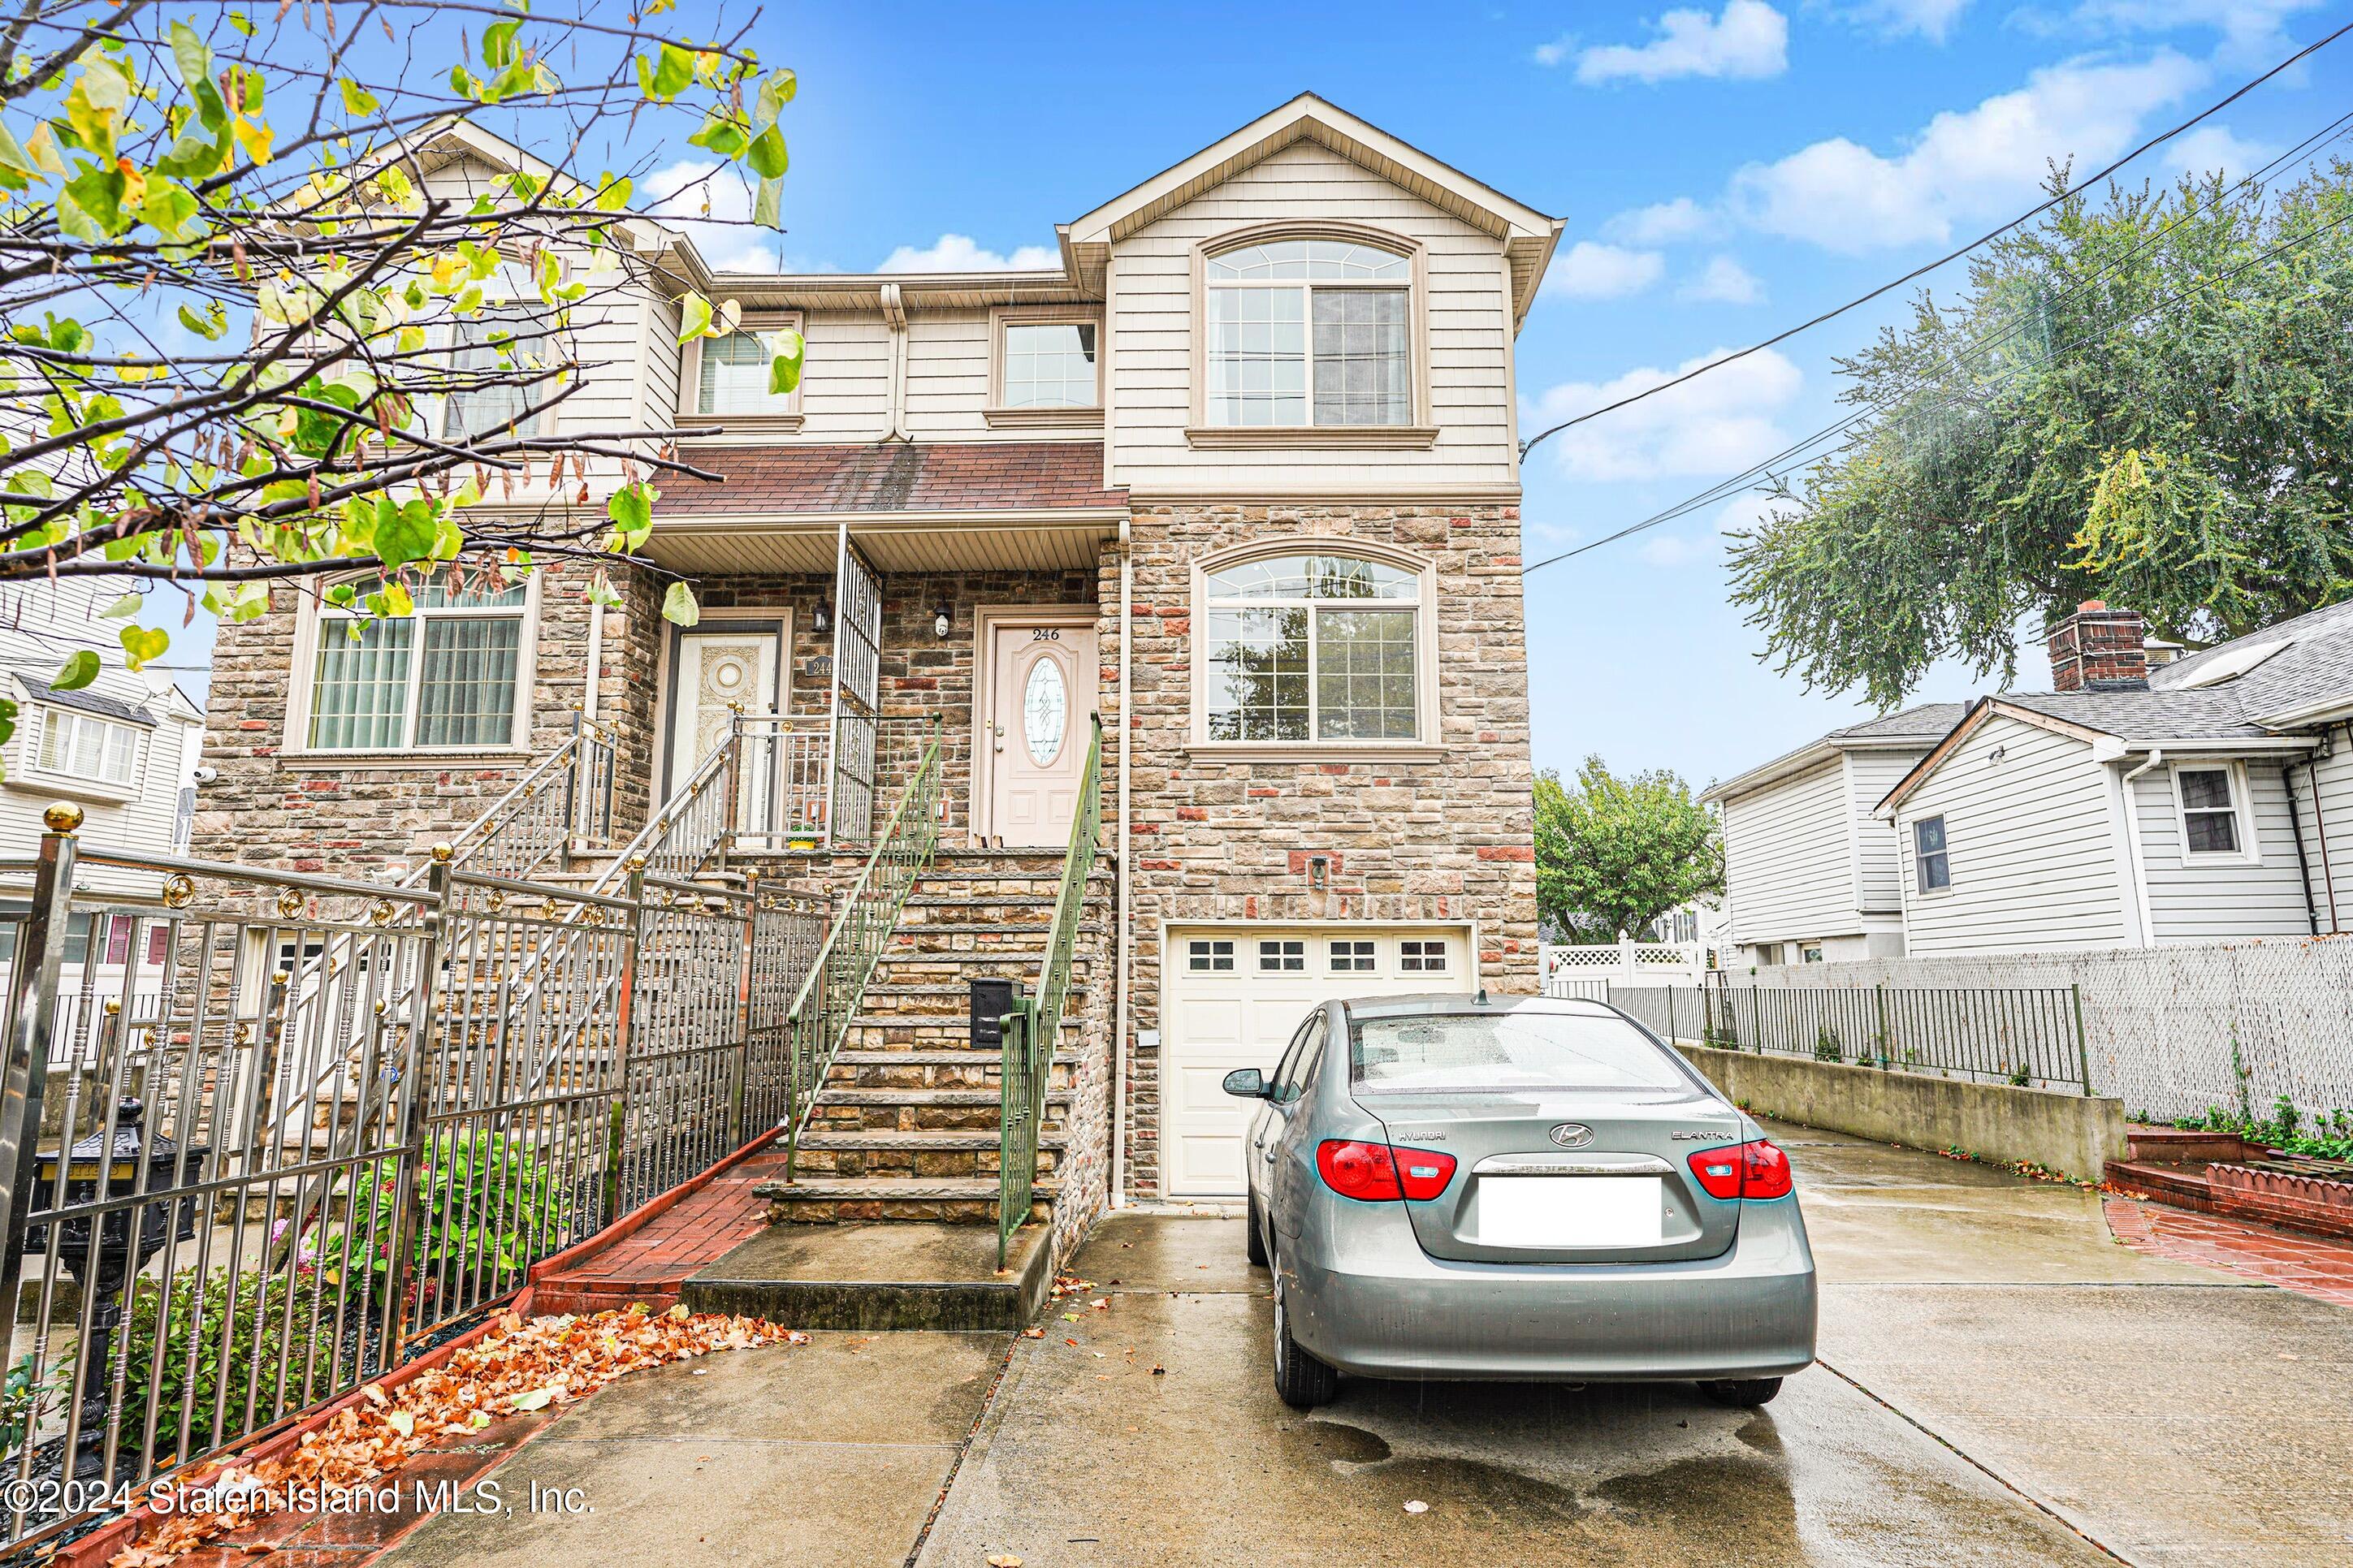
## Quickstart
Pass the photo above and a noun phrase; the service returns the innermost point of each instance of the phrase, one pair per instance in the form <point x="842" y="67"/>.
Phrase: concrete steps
<point x="873" y="1276"/>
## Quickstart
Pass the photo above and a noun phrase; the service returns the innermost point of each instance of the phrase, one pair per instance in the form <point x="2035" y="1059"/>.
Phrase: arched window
<point x="1306" y="332"/>
<point x="1315" y="645"/>
<point x="446" y="677"/>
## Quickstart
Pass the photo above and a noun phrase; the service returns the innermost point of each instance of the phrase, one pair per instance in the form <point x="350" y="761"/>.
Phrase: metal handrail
<point x="836" y="985"/>
<point x="1034" y="1026"/>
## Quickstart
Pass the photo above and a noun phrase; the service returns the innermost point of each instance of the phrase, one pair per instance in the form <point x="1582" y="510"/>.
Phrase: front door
<point x="717" y="667"/>
<point x="1043" y="690"/>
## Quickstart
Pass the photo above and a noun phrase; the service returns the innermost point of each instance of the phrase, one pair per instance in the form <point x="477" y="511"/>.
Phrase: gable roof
<point x="1910" y="730"/>
<point x="1528" y="236"/>
<point x="2310" y="677"/>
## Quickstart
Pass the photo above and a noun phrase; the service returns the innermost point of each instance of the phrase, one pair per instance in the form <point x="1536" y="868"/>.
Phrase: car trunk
<point x="1551" y="1177"/>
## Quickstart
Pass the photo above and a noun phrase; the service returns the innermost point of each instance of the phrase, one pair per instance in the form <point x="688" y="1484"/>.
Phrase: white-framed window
<point x="725" y="379"/>
<point x="2211" y="803"/>
<point x="1932" y="866"/>
<point x="1209" y="957"/>
<point x="1283" y="957"/>
<point x="500" y="345"/>
<point x="1354" y="956"/>
<point x="1809" y="953"/>
<point x="1049" y="364"/>
<point x="86" y="746"/>
<point x="1312" y="647"/>
<point x="448" y="678"/>
<point x="1302" y="331"/>
<point x="1422" y="956"/>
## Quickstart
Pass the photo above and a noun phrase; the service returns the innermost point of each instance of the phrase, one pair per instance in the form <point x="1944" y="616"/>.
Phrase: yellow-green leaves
<point x="76" y="672"/>
<point x="785" y="370"/>
<point x="694" y="317"/>
<point x="93" y="105"/>
<point x="612" y="194"/>
<point x="632" y="509"/>
<point x="357" y="100"/>
<point x="666" y="73"/>
<point x="678" y="607"/>
<point x="141" y="645"/>
<point x="208" y="326"/>
<point x="767" y="155"/>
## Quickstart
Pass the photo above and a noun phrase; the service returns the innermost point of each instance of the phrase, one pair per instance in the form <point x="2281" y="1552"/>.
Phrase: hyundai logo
<point x="1572" y="1135"/>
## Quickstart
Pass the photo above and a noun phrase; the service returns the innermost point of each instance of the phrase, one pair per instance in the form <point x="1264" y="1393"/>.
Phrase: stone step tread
<point x="1070" y="1020"/>
<point x="827" y="1189"/>
<point x="1078" y="987"/>
<point x="938" y="1139"/>
<point x="833" y="1094"/>
<point x="957" y="927"/>
<point x="932" y="1057"/>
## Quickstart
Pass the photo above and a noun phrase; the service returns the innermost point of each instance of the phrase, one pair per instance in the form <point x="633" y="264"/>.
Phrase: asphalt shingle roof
<point x="2150" y="717"/>
<point x="87" y="700"/>
<point x="2318" y="664"/>
<point x="894" y="476"/>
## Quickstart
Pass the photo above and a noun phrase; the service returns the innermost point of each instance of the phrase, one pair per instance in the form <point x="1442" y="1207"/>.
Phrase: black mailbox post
<point x="991" y="1000"/>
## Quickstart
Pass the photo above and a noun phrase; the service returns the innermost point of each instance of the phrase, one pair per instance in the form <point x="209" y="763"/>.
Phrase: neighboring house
<point x="2207" y="799"/>
<point x="125" y="749"/>
<point x="1810" y="874"/>
<point x="1240" y="475"/>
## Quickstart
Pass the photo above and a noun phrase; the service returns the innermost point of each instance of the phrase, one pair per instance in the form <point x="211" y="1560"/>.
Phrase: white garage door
<point x="1233" y="999"/>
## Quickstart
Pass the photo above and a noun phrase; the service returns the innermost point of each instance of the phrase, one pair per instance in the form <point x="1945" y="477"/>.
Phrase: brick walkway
<point x="652" y="1263"/>
<point x="2306" y="1263"/>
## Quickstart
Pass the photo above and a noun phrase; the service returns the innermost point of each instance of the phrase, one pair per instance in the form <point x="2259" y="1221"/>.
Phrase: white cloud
<point x="1723" y="282"/>
<point x="1664" y="222"/>
<point x="1932" y="19"/>
<point x="2250" y="29"/>
<point x="1749" y="39"/>
<point x="961" y="253"/>
<point x="712" y="203"/>
<point x="1749" y="510"/>
<point x="1966" y="165"/>
<point x="2216" y="148"/>
<point x="1590" y="271"/>
<point x="1552" y="54"/>
<point x="1719" y="424"/>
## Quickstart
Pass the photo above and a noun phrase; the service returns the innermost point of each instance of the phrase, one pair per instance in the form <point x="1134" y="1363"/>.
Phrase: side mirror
<point x="1246" y="1083"/>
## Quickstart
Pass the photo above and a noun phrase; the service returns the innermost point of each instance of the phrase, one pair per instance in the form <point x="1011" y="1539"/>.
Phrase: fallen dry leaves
<point x="520" y="1366"/>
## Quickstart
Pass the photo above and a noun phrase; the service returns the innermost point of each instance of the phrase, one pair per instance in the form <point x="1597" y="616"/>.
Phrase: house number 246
<point x="1046" y="634"/>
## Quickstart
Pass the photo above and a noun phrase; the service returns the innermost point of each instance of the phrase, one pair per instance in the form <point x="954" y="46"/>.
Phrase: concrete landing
<point x="896" y="1275"/>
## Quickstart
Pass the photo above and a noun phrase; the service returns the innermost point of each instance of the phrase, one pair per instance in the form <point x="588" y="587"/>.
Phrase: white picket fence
<point x="1589" y="969"/>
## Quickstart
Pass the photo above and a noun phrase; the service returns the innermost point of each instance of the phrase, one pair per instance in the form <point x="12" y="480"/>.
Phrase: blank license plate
<point x="1570" y="1211"/>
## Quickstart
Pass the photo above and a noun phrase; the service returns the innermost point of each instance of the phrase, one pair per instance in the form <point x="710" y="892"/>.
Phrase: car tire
<point x="1300" y="1381"/>
<point x="1742" y="1391"/>
<point x="1254" y="1245"/>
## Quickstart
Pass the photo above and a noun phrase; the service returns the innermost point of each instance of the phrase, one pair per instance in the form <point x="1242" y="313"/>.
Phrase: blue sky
<point x="1725" y="170"/>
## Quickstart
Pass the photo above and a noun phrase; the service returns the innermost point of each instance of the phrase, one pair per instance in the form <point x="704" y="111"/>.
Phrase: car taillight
<point x="1371" y="1172"/>
<point x="1755" y="1170"/>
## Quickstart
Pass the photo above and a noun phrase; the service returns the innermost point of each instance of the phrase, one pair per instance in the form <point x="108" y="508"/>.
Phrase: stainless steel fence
<point x="2021" y="1035"/>
<point x="334" y="1120"/>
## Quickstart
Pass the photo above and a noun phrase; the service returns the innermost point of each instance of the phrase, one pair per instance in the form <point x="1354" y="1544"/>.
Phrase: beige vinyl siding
<point x="947" y="375"/>
<point x="1789" y="863"/>
<point x="2221" y="900"/>
<point x="845" y="379"/>
<point x="2034" y="858"/>
<point x="2324" y="800"/>
<point x="1152" y="332"/>
<point x="658" y="362"/>
<point x="1879" y="880"/>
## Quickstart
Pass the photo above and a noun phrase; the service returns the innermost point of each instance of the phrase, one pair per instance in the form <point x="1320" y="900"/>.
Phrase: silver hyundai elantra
<point x="1450" y="1187"/>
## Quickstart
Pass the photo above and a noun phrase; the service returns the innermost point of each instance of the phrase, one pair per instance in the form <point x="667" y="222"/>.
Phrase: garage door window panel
<point x="1314" y="648"/>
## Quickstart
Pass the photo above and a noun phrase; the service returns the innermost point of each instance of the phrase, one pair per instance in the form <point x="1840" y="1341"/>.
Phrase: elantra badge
<point x="1572" y="1135"/>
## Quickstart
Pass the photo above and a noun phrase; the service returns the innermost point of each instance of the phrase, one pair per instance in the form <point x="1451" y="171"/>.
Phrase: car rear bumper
<point x="1377" y="1306"/>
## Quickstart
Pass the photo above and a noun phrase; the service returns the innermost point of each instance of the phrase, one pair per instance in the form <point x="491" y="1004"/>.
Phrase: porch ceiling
<point x="894" y="543"/>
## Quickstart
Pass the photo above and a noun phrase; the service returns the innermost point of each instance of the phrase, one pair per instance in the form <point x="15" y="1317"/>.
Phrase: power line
<point x="1926" y="268"/>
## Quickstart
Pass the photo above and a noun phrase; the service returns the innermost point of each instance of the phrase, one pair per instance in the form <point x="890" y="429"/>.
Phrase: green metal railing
<point x="830" y="998"/>
<point x="1031" y="1029"/>
<point x="2029" y="1036"/>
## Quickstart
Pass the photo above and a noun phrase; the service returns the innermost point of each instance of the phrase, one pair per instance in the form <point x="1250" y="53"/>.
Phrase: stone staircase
<point x="905" y="1125"/>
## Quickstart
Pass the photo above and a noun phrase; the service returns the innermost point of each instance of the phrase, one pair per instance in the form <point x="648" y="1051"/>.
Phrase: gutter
<point x="894" y="316"/>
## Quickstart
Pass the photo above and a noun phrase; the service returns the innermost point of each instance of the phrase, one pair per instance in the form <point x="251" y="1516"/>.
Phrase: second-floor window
<point x="1309" y="332"/>
<point x="446" y="677"/>
<point x="491" y="352"/>
<point x="85" y="746"/>
<point x="1049" y="364"/>
<point x="1933" y="866"/>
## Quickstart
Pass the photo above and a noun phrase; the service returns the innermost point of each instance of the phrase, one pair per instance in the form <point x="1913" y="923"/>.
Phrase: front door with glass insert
<point x="716" y="669"/>
<point x="1044" y="689"/>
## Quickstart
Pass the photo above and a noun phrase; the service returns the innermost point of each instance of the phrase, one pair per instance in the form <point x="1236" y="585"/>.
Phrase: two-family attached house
<point x="2207" y="799"/>
<point x="1810" y="874"/>
<point x="1240" y="475"/>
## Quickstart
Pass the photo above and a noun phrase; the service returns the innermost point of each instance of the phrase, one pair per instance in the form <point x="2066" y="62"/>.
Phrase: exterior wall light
<point x="940" y="619"/>
<point x="822" y="622"/>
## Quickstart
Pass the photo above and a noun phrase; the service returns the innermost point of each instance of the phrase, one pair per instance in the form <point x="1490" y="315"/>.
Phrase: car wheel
<point x="1300" y="1380"/>
<point x="1741" y="1391"/>
<point x="1254" y="1246"/>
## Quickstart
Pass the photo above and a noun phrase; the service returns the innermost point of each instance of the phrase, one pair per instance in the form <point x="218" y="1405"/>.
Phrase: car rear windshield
<point x="1459" y="1053"/>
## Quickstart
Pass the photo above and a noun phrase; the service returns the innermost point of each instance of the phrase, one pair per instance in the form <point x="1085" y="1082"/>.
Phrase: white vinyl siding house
<point x="1879" y="879"/>
<point x="2324" y="803"/>
<point x="1789" y="872"/>
<point x="2032" y="836"/>
<point x="2221" y="897"/>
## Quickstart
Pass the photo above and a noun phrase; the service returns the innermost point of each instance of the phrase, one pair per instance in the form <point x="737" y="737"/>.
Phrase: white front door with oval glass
<point x="1042" y="681"/>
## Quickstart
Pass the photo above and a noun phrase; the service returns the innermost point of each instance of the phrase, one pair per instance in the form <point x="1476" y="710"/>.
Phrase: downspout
<point x="2296" y="831"/>
<point x="2132" y="846"/>
<point x="894" y="315"/>
<point x="2320" y="826"/>
<point x="1126" y="943"/>
<point x="595" y="658"/>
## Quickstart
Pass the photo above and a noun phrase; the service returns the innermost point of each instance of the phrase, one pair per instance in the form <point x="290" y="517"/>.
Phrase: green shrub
<point x="2330" y="1136"/>
<point x="491" y="1208"/>
<point x="1828" y="1046"/>
<point x="273" y="1334"/>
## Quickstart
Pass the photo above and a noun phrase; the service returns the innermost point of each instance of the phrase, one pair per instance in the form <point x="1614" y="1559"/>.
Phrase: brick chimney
<point x="2099" y="650"/>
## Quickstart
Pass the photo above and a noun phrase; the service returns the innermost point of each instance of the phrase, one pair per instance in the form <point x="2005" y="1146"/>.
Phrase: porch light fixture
<point x="822" y="622"/>
<point x="940" y="618"/>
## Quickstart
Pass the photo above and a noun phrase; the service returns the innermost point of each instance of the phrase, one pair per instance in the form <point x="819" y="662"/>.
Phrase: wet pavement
<point x="2002" y="1383"/>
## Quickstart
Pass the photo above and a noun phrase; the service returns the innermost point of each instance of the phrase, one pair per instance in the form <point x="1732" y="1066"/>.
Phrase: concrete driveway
<point x="2001" y="1384"/>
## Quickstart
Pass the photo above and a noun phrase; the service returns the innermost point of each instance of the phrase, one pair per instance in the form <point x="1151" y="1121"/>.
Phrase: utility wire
<point x="1925" y="267"/>
<point x="1746" y="480"/>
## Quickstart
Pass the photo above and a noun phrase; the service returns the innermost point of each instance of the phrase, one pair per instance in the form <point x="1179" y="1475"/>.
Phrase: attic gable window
<point x="1309" y="332"/>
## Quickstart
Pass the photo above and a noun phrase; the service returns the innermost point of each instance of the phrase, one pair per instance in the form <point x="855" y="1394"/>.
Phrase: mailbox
<point x="991" y="1000"/>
